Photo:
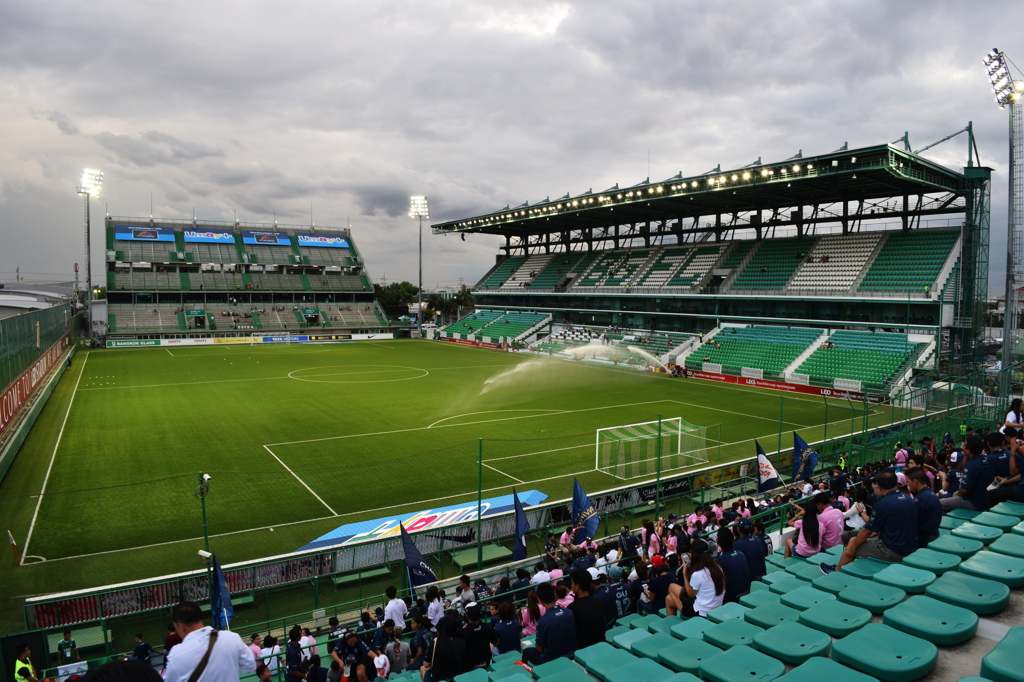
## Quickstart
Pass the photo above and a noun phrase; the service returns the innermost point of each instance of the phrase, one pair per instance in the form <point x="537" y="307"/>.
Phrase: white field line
<point x="169" y="352"/>
<point x="471" y="414"/>
<point x="333" y="513"/>
<point x="46" y="480"/>
<point x="503" y="473"/>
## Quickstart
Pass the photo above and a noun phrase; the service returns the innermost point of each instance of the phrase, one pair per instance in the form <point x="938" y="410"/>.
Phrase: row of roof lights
<point x="635" y="194"/>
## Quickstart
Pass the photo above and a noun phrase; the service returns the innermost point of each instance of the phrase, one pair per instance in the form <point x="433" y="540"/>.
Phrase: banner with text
<point x="209" y="236"/>
<point x="784" y="386"/>
<point x="269" y="238"/>
<point x="25" y="385"/>
<point x="321" y="240"/>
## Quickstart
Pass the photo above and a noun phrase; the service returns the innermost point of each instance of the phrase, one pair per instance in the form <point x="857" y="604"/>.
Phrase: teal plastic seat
<point x="629" y="620"/>
<point x="627" y="639"/>
<point x="504" y="672"/>
<point x="976" y="531"/>
<point x="807" y="571"/>
<point x="979" y="595"/>
<point x="645" y="622"/>
<point x="478" y="675"/>
<point x="770" y="615"/>
<point x="930" y="560"/>
<point x="818" y="669"/>
<point x="507" y="658"/>
<point x="1010" y="545"/>
<point x="952" y="544"/>
<point x="835" y="618"/>
<point x="995" y="566"/>
<point x="775" y="559"/>
<point x="949" y="522"/>
<point x="555" y="669"/>
<point x="933" y="620"/>
<point x="742" y="663"/>
<point x="834" y="582"/>
<point x="1003" y="522"/>
<point x="806" y="597"/>
<point x="754" y="599"/>
<point x="593" y="652"/>
<point x="732" y="632"/>
<point x="686" y="656"/>
<point x="612" y="633"/>
<point x="1002" y="664"/>
<point x="601" y="666"/>
<point x="786" y="583"/>
<point x="644" y="670"/>
<point x="692" y="628"/>
<point x="791" y="642"/>
<point x="910" y="580"/>
<point x="758" y="586"/>
<point x="649" y="647"/>
<point x="665" y="625"/>
<point x="875" y="597"/>
<point x="864" y="568"/>
<point x="834" y="551"/>
<point x="1010" y="508"/>
<point x="1018" y="529"/>
<point x="962" y="513"/>
<point x="885" y="653"/>
<point x="683" y="677"/>
<point x="726" y="611"/>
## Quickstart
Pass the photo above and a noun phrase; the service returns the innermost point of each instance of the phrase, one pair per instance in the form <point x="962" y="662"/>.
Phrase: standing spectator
<point x="467" y="596"/>
<point x="588" y="611"/>
<point x="254" y="645"/>
<point x="395" y="609"/>
<point x="170" y="641"/>
<point x="703" y="586"/>
<point x="308" y="644"/>
<point x="929" y="509"/>
<point x="435" y="607"/>
<point x="978" y="474"/>
<point x="479" y="638"/>
<point x="556" y="630"/>
<point x="508" y="629"/>
<point x="142" y="650"/>
<point x="734" y="566"/>
<point x="551" y="548"/>
<point x="752" y="550"/>
<point x="445" y="659"/>
<point x="270" y="653"/>
<point x="67" y="649"/>
<point x="399" y="653"/>
<point x="890" y="534"/>
<point x="227" y="660"/>
<point x="628" y="544"/>
<point x="1013" y="424"/>
<point x="353" y="655"/>
<point x="293" y="656"/>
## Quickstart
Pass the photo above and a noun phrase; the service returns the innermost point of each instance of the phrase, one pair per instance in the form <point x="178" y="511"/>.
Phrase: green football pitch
<point x="300" y="439"/>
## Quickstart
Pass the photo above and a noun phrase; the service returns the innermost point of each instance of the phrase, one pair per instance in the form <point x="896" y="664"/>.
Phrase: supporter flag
<point x="420" y="572"/>
<point x="584" y="515"/>
<point x="804" y="458"/>
<point x="522" y="528"/>
<point x="220" y="601"/>
<point x="14" y="548"/>
<point x="767" y="476"/>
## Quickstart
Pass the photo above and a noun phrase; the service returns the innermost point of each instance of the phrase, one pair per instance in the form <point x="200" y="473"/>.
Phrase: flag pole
<point x="14" y="548"/>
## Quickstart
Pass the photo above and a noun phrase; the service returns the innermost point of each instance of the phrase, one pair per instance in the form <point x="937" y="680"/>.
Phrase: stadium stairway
<point x="182" y="324"/>
<point x="111" y="322"/>
<point x="185" y="284"/>
<point x="299" y="318"/>
<point x="256" y="321"/>
<point x="814" y="345"/>
<point x="521" y="277"/>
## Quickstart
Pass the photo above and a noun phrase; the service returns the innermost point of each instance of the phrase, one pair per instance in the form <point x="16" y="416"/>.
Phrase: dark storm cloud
<point x="259" y="110"/>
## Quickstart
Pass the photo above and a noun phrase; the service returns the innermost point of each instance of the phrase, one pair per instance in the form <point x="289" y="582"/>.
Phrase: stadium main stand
<point x="871" y="358"/>
<point x="771" y="349"/>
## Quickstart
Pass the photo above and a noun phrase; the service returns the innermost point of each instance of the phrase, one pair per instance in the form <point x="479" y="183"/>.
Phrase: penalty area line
<point x="333" y="513"/>
<point x="502" y="473"/>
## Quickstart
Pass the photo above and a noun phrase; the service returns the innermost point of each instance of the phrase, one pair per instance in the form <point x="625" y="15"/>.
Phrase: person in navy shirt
<point x="556" y="630"/>
<point x="998" y="454"/>
<point x="752" y="549"/>
<point x="978" y="473"/>
<point x="353" y="653"/>
<point x="734" y="565"/>
<point x="929" y="509"/>
<point x="891" y="533"/>
<point x="616" y="595"/>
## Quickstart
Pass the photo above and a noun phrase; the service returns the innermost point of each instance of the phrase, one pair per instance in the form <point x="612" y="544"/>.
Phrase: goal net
<point x="633" y="450"/>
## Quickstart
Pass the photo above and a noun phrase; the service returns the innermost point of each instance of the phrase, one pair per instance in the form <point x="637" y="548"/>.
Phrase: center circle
<point x="362" y="374"/>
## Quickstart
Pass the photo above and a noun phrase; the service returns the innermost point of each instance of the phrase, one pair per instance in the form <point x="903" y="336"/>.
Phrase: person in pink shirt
<point x="565" y="545"/>
<point x="254" y="646"/>
<point x="809" y="532"/>
<point x="697" y="515"/>
<point x="716" y="509"/>
<point x="556" y="574"/>
<point x="565" y="597"/>
<point x="831" y="519"/>
<point x="531" y="614"/>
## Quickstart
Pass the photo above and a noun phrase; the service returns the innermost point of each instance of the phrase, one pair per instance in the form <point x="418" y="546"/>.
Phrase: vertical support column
<point x="479" y="504"/>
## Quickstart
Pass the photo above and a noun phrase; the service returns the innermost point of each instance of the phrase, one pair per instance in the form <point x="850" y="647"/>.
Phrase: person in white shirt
<point x="229" y="656"/>
<point x="395" y="609"/>
<point x="540" y="575"/>
<point x="308" y="643"/>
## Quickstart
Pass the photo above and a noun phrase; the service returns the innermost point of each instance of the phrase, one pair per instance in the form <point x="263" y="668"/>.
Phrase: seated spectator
<point x="556" y="630"/>
<point x="446" y="657"/>
<point x="734" y="565"/>
<point x="531" y="614"/>
<point x="831" y="519"/>
<point x="588" y="611"/>
<point x="810" y="529"/>
<point x="978" y="473"/>
<point x="354" y="655"/>
<point x="616" y="595"/>
<point x="929" y="509"/>
<point x="479" y="637"/>
<point x="752" y="550"/>
<point x="703" y="586"/>
<point x="508" y="629"/>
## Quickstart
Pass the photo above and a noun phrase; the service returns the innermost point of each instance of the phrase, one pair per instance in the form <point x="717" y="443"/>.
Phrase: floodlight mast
<point x="89" y="186"/>
<point x="1008" y="93"/>
<point x="419" y="207"/>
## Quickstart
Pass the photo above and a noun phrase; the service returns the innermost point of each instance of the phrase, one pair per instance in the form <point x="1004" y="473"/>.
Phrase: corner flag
<point x="522" y="528"/>
<point x="807" y="458"/>
<point x="220" y="601"/>
<point x="420" y="572"/>
<point x="584" y="514"/>
<point x="14" y="548"/>
<point x="767" y="476"/>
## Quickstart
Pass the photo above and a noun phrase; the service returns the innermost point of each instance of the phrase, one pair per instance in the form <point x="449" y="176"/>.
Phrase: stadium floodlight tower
<point x="419" y="207"/>
<point x="89" y="186"/>
<point x="1008" y="93"/>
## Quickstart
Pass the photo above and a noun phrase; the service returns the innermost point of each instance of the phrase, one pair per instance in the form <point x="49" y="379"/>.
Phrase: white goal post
<point x="633" y="450"/>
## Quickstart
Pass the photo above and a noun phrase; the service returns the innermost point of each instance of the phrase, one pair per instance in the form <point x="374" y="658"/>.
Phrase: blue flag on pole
<point x="807" y="457"/>
<point x="220" y="601"/>
<point x="522" y="528"/>
<point x="584" y="515"/>
<point x="767" y="476"/>
<point x="420" y="572"/>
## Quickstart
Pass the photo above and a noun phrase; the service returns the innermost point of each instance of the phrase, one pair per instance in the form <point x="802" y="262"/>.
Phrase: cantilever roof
<point x="866" y="173"/>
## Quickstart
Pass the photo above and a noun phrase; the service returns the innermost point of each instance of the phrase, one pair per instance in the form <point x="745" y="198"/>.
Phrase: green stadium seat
<point x="806" y="571"/>
<point x="785" y="583"/>
<point x="644" y="670"/>
<point x="687" y="655"/>
<point x="864" y="568"/>
<point x="523" y="677"/>
<point x="645" y="622"/>
<point x="933" y="620"/>
<point x="835" y="618"/>
<point x="754" y="599"/>
<point x="505" y="673"/>
<point x="886" y="653"/>
<point x="1002" y="664"/>
<point x="555" y="669"/>
<point x="1009" y="544"/>
<point x="665" y="624"/>
<point x="726" y="611"/>
<point x="649" y="647"/>
<point x="806" y="597"/>
<point x="776" y="559"/>
<point x="683" y="677"/>
<point x="995" y="566"/>
<point x="818" y="669"/>
<point x="976" y="531"/>
<point x="742" y="663"/>
<point x="875" y="597"/>
<point x="732" y="632"/>
<point x="910" y="580"/>
<point x="604" y="665"/>
<point x="630" y="619"/>
<point x="979" y="595"/>
<point x="950" y="522"/>
<point x="612" y="633"/>
<point x="692" y="628"/>
<point x="507" y="658"/>
<point x="770" y="615"/>
<point x="627" y="639"/>
<point x="478" y="675"/>
<point x="835" y="582"/>
<point x="791" y="642"/>
<point x="929" y="560"/>
<point x="593" y="652"/>
<point x="1003" y="522"/>
<point x="1018" y="529"/>
<point x="962" y="513"/>
<point x="1010" y="508"/>
<point x="835" y="551"/>
<point x="952" y="544"/>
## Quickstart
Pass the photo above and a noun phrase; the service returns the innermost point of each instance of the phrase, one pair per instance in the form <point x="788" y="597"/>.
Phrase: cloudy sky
<point x="251" y="109"/>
